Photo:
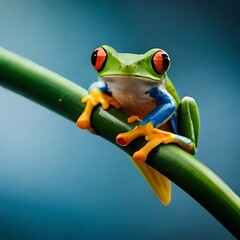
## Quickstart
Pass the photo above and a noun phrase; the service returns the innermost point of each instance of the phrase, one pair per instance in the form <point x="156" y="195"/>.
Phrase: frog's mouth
<point x="133" y="81"/>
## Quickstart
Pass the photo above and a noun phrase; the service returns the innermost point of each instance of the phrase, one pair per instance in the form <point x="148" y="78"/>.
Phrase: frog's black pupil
<point x="166" y="61"/>
<point x="94" y="57"/>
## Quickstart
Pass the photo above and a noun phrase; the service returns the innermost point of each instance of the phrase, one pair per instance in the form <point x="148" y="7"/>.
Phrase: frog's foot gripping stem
<point x="94" y="98"/>
<point x="154" y="137"/>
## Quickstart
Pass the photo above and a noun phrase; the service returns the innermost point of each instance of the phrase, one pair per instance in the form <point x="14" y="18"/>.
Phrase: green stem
<point x="64" y="97"/>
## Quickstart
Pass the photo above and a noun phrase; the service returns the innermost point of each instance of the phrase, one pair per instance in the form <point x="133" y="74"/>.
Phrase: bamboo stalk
<point x="64" y="97"/>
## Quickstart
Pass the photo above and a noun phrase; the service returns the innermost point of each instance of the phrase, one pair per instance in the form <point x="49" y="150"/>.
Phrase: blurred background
<point x="59" y="182"/>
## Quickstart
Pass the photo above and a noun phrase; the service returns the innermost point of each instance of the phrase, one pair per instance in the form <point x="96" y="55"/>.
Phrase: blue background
<point x="58" y="182"/>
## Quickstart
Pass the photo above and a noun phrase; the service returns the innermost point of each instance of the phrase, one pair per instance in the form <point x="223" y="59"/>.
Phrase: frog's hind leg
<point x="160" y="185"/>
<point x="189" y="120"/>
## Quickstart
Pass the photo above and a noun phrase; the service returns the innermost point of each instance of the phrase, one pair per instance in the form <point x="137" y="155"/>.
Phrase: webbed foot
<point x="94" y="98"/>
<point x="154" y="137"/>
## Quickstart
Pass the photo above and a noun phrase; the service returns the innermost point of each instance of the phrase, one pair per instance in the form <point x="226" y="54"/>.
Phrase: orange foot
<point x="94" y="98"/>
<point x="154" y="137"/>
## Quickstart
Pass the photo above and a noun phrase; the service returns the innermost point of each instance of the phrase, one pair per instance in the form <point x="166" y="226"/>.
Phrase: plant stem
<point x="64" y="97"/>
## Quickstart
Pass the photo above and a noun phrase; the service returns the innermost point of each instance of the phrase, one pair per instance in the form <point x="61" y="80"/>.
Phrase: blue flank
<point x="164" y="111"/>
<point x="100" y="85"/>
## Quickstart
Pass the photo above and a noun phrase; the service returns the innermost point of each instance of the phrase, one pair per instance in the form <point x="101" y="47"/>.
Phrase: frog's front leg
<point x="97" y="95"/>
<point x="148" y="128"/>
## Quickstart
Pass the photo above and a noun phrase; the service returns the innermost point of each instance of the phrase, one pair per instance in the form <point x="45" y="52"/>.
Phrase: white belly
<point x="130" y="93"/>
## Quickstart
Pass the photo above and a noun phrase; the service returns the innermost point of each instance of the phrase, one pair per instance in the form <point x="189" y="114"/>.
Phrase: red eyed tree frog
<point x="138" y="84"/>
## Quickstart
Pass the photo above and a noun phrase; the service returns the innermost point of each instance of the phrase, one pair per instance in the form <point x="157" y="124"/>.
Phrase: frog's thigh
<point x="188" y="119"/>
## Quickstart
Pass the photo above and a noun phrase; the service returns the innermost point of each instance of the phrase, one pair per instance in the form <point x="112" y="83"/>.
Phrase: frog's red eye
<point x="99" y="58"/>
<point x="160" y="62"/>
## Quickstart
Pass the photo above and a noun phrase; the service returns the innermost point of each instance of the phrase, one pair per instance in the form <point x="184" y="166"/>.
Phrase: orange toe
<point x="83" y="124"/>
<point x="120" y="140"/>
<point x="139" y="156"/>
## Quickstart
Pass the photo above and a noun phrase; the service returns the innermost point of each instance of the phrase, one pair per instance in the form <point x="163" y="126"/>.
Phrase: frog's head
<point x="152" y="65"/>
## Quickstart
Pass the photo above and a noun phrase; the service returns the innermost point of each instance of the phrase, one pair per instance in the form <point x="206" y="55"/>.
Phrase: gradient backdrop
<point x="58" y="182"/>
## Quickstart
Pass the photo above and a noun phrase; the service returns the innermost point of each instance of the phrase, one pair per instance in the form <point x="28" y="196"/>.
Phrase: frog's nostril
<point x="129" y="67"/>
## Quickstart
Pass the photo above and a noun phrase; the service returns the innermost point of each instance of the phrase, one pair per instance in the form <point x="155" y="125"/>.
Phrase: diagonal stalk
<point x="64" y="97"/>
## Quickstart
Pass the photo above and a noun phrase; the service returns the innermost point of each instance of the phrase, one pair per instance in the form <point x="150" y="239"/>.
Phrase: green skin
<point x="129" y="76"/>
